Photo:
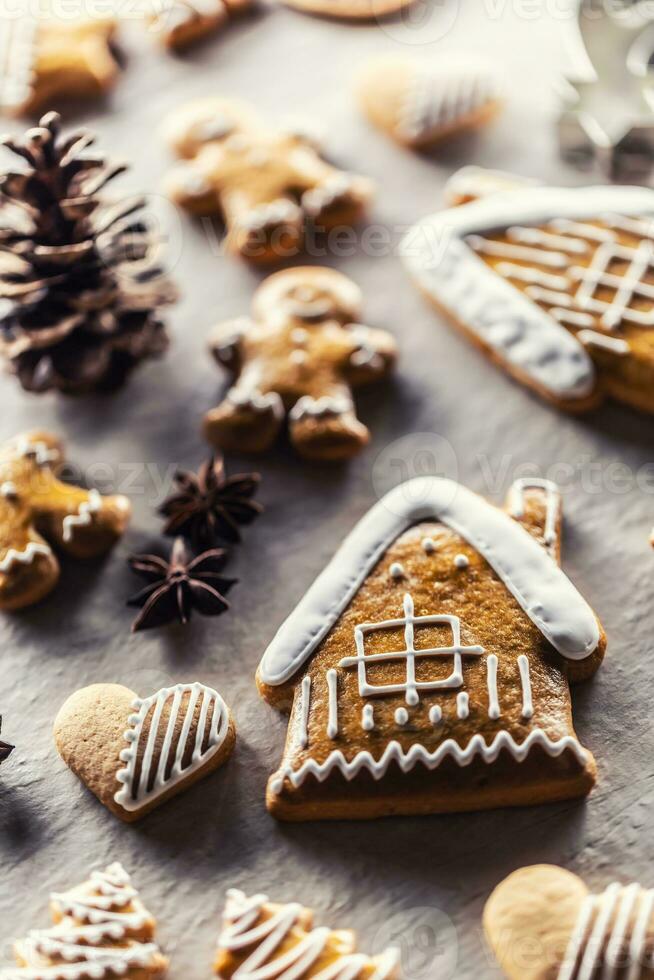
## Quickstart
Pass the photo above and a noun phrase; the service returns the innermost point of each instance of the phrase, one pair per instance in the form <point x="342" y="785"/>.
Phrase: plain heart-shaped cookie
<point x="543" y="923"/>
<point x="134" y="753"/>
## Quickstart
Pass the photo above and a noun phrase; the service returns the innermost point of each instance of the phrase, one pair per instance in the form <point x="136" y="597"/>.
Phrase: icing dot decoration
<point x="396" y="570"/>
<point x="461" y="561"/>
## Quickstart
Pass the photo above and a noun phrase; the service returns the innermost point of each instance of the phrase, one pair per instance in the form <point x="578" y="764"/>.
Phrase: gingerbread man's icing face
<point x="267" y="185"/>
<point x="300" y="354"/>
<point x="37" y="510"/>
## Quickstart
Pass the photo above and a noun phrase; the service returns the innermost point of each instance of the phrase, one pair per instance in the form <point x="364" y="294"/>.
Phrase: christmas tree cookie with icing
<point x="101" y="930"/>
<point x="555" y="285"/>
<point x="418" y="103"/>
<point x="543" y="923"/>
<point x="427" y="669"/>
<point x="39" y="512"/>
<point x="261" y="939"/>
<point x="136" y="753"/>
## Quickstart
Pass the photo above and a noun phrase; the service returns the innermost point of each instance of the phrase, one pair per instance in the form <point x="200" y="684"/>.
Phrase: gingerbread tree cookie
<point x="543" y="923"/>
<point x="46" y="60"/>
<point x="38" y="512"/>
<point x="427" y="669"/>
<point x="136" y="753"/>
<point x="300" y="354"/>
<point x="101" y="929"/>
<point x="555" y="285"/>
<point x="267" y="185"/>
<point x="260" y="938"/>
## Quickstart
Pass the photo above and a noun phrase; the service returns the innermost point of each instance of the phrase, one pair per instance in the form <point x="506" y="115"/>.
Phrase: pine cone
<point x="79" y="284"/>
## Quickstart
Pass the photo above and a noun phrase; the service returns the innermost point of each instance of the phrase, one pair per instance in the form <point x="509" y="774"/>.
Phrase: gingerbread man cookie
<point x="36" y="509"/>
<point x="427" y="669"/>
<point x="555" y="285"/>
<point x="136" y="753"/>
<point x="179" y="23"/>
<point x="260" y="938"/>
<point x="101" y="929"/>
<point x="299" y="355"/>
<point x="418" y="103"/>
<point x="44" y="60"/>
<point x="543" y="923"/>
<point x="266" y="185"/>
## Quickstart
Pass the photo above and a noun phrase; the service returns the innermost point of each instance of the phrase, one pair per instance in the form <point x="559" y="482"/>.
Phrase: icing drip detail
<point x="368" y="718"/>
<point x="493" y="699"/>
<point x="435" y="714"/>
<point x="207" y="739"/>
<point x="332" y="688"/>
<point x="84" y="515"/>
<point x="552" y="504"/>
<point x="525" y="680"/>
<point x="611" y="933"/>
<point x="25" y="557"/>
<point x="401" y="717"/>
<point x="410" y="687"/>
<point x="394" y="753"/>
<point x="462" y="705"/>
<point x="305" y="704"/>
<point x="274" y="955"/>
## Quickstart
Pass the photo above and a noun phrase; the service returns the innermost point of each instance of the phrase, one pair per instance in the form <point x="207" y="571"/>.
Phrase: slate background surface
<point x="418" y="881"/>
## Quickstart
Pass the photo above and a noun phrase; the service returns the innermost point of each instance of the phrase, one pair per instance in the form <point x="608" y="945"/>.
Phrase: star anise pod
<point x="178" y="585"/>
<point x="5" y="748"/>
<point x="209" y="505"/>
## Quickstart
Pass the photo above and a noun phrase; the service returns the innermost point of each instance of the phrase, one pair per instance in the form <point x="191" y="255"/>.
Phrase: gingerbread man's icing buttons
<point x="267" y="185"/>
<point x="38" y="511"/>
<point x="298" y="356"/>
<point x="45" y="60"/>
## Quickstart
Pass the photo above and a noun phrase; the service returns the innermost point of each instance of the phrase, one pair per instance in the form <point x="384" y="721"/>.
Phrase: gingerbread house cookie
<point x="38" y="511"/>
<point x="267" y="185"/>
<point x="45" y="59"/>
<point x="555" y="285"/>
<point x="260" y="938"/>
<point x="101" y="929"/>
<point x="427" y="669"/>
<point x="543" y="923"/>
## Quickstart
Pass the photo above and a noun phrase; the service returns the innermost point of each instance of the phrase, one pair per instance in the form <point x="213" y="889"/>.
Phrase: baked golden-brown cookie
<point x="299" y="356"/>
<point x="555" y="285"/>
<point x="48" y="59"/>
<point x="101" y="929"/>
<point x="37" y="510"/>
<point x="356" y="10"/>
<point x="471" y="182"/>
<point x="427" y="669"/>
<point x="267" y="185"/>
<point x="135" y="754"/>
<point x="543" y="923"/>
<point x="260" y="938"/>
<point x="419" y="103"/>
<point x="180" y="23"/>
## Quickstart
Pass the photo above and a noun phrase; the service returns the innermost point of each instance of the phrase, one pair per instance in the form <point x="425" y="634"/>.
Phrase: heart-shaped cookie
<point x="134" y="753"/>
<point x="544" y="923"/>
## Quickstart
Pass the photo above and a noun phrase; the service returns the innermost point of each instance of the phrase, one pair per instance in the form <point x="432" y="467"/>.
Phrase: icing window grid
<point x="410" y="687"/>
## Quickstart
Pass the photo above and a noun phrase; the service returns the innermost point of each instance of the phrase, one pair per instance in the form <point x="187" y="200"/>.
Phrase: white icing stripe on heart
<point x="524" y="336"/>
<point x="394" y="753"/>
<point x="545" y="594"/>
<point x="133" y="798"/>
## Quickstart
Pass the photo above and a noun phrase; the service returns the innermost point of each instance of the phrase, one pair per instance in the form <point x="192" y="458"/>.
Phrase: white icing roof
<point x="547" y="596"/>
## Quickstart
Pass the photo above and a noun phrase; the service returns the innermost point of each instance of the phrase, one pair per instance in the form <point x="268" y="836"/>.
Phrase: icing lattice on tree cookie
<point x="260" y="939"/>
<point x="427" y="669"/>
<point x="557" y="286"/>
<point x="300" y="355"/>
<point x="136" y="753"/>
<point x="267" y="185"/>
<point x="543" y="923"/>
<point x="45" y="60"/>
<point x="38" y="511"/>
<point x="418" y="103"/>
<point x="102" y="930"/>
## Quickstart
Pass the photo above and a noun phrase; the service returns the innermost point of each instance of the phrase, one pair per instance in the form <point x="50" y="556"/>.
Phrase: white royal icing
<point x="396" y="571"/>
<point x="305" y="704"/>
<point x="8" y="490"/>
<point x="368" y="718"/>
<point x="552" y="503"/>
<point x="84" y="515"/>
<point x="394" y="753"/>
<point x="461" y="561"/>
<point x="611" y="933"/>
<point x="332" y="688"/>
<point x="435" y="714"/>
<point x="40" y="451"/>
<point x="540" y="587"/>
<point x="522" y="335"/>
<point x="244" y="929"/>
<point x="26" y="556"/>
<point x="439" y="98"/>
<point x="131" y="797"/>
<point x="18" y="40"/>
<point x="525" y="681"/>
<point x="80" y="944"/>
<point x="491" y="681"/>
<point x="401" y="717"/>
<point x="462" y="705"/>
